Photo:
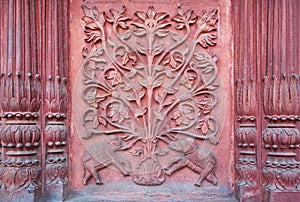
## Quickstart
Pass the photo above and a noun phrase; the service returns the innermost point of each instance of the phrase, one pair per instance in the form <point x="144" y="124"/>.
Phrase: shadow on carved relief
<point x="151" y="91"/>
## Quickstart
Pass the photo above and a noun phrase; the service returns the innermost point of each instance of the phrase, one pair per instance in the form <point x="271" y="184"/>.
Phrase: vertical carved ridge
<point x="1" y="83"/>
<point x="281" y="99"/>
<point x="246" y="166"/>
<point x="20" y="99"/>
<point x="281" y="137"/>
<point x="55" y="107"/>
<point x="246" y="47"/>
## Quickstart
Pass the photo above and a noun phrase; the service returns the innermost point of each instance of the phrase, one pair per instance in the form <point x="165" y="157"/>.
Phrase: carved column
<point x="55" y="61"/>
<point x="1" y="87"/>
<point x="20" y="101"/>
<point x="281" y="99"/>
<point x="34" y="67"/>
<point x="267" y="49"/>
<point x="247" y="63"/>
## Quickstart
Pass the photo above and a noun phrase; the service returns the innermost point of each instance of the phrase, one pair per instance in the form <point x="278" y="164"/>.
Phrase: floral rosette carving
<point x="150" y="85"/>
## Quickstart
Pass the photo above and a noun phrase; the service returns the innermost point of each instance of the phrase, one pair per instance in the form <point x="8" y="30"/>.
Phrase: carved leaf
<point x="4" y="105"/>
<point x="91" y="96"/>
<point x="14" y="104"/>
<point x="170" y="100"/>
<point x="141" y="48"/>
<point x="188" y="80"/>
<point x="158" y="97"/>
<point x="35" y="105"/>
<point x="142" y="93"/>
<point x="205" y="105"/>
<point x="177" y="116"/>
<point x="162" y="33"/>
<point x="93" y="20"/>
<point x="212" y="87"/>
<point x="157" y="50"/>
<point x="139" y="32"/>
<point x="141" y="112"/>
<point x="102" y="120"/>
<point x="161" y="151"/>
<point x="85" y="52"/>
<point x="171" y="90"/>
<point x="158" y="114"/>
<point x="206" y="40"/>
<point x="137" y="151"/>
<point x="131" y="98"/>
<point x="126" y="87"/>
<point x="158" y="82"/>
<point x="141" y="15"/>
<point x="23" y="105"/>
<point x="117" y="114"/>
<point x="205" y="125"/>
<point x="115" y="77"/>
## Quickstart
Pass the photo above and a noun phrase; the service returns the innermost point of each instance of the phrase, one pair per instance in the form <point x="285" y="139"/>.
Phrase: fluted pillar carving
<point x="33" y="98"/>
<point x="247" y="63"/>
<point x="55" y="61"/>
<point x="20" y="100"/>
<point x="281" y="98"/>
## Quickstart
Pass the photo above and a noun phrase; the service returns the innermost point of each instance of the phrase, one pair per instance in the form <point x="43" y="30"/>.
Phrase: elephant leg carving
<point x="212" y="178"/>
<point x="126" y="165"/>
<point x="89" y="171"/>
<point x="205" y="173"/>
<point x="119" y="164"/>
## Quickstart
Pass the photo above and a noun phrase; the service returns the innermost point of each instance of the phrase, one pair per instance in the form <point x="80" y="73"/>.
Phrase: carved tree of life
<point x="148" y="84"/>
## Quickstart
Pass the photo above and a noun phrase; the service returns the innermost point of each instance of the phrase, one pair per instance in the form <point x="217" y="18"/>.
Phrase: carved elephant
<point x="102" y="155"/>
<point x="196" y="158"/>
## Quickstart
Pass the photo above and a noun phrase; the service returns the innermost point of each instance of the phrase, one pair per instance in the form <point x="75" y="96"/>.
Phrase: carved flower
<point x="207" y="24"/>
<point x="183" y="115"/>
<point x="205" y="105"/>
<point x="93" y="22"/>
<point x="184" y="18"/>
<point x="95" y="118"/>
<point x="115" y="77"/>
<point x="177" y="116"/>
<point x="188" y="80"/>
<point x="93" y="99"/>
<point x="117" y="113"/>
<point x="119" y="19"/>
<point x="205" y="125"/>
<point x="207" y="21"/>
<point x="152" y="21"/>
<point x="174" y="61"/>
<point x="126" y="56"/>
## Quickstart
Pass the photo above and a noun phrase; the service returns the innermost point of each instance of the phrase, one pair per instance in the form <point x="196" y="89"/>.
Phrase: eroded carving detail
<point x="246" y="168"/>
<point x="281" y="137"/>
<point x="149" y="84"/>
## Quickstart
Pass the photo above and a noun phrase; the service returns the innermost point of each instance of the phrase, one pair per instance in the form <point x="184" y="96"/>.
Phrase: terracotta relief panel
<point x="149" y="96"/>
